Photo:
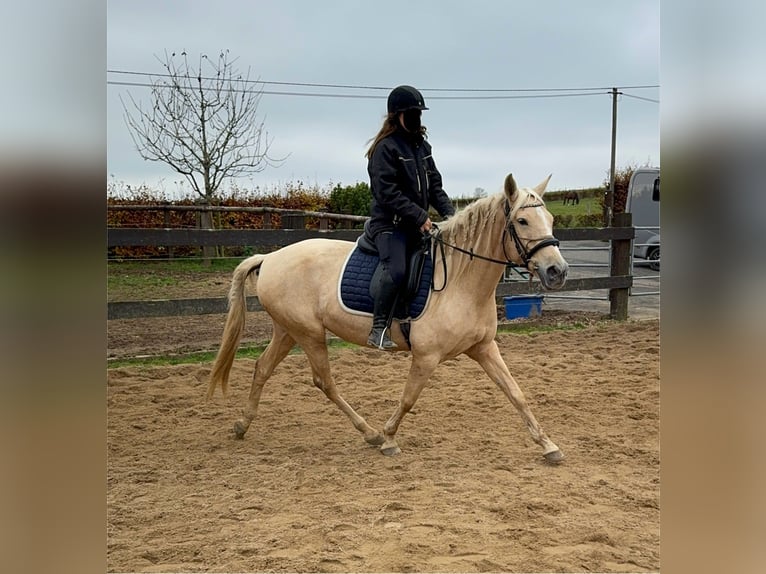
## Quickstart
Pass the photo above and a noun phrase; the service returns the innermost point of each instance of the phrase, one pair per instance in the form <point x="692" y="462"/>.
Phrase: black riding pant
<point x="394" y="248"/>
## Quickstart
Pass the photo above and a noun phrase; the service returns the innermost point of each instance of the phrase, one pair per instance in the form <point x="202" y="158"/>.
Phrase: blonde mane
<point x="474" y="220"/>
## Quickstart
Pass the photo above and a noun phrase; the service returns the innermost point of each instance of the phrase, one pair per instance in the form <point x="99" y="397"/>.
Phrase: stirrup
<point x="380" y="340"/>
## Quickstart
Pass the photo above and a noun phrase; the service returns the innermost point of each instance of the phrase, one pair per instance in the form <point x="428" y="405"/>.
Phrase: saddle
<point x="356" y="276"/>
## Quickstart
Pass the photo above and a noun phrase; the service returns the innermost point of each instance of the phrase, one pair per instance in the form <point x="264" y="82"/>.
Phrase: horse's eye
<point x="522" y="221"/>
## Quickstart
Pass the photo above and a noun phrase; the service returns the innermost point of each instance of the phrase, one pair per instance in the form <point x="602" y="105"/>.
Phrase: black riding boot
<point x="385" y="295"/>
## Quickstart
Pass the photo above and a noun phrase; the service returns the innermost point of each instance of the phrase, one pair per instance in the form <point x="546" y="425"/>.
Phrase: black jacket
<point x="404" y="181"/>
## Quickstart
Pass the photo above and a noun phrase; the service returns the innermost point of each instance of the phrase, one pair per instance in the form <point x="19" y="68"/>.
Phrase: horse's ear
<point x="511" y="189"/>
<point x="540" y="187"/>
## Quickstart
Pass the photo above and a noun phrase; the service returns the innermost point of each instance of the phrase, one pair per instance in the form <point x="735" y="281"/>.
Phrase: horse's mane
<point x="471" y="222"/>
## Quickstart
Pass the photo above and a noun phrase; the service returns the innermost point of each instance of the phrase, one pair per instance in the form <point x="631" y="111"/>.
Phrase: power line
<point x="386" y="88"/>
<point x="515" y="97"/>
<point x="641" y="98"/>
<point x="367" y="96"/>
<point x="248" y="81"/>
<point x="378" y="97"/>
<point x="265" y="92"/>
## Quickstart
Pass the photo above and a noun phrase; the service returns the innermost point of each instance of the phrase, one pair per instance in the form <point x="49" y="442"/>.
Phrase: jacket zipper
<point x="423" y="195"/>
<point x="417" y="174"/>
<point x="417" y="171"/>
<point x="425" y="169"/>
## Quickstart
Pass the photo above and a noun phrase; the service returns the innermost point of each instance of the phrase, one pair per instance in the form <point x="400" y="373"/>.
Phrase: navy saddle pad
<point x="354" y="288"/>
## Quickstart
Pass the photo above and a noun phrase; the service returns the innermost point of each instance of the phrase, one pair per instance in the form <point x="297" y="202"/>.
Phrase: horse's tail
<point x="235" y="324"/>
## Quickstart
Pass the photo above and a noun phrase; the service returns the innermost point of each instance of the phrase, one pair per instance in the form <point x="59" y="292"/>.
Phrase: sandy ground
<point x="469" y="493"/>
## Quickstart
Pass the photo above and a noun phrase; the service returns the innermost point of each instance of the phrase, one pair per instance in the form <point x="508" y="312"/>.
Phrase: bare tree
<point x="202" y="122"/>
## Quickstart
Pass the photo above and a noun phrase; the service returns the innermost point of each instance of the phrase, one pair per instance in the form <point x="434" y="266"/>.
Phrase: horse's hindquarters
<point x="298" y="287"/>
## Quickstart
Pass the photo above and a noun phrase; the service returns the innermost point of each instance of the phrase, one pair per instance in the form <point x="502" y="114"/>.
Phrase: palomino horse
<point x="298" y="285"/>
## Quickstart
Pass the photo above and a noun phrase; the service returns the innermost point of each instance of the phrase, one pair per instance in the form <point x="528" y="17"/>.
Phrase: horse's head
<point x="530" y="228"/>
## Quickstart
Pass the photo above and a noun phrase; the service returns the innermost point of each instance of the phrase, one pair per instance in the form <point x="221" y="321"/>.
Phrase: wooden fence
<point x="618" y="282"/>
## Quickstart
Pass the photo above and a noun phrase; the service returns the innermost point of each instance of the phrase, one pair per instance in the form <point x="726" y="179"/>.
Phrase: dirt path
<point x="470" y="491"/>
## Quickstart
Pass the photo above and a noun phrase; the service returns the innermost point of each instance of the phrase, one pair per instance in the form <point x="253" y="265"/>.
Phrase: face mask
<point x="411" y="120"/>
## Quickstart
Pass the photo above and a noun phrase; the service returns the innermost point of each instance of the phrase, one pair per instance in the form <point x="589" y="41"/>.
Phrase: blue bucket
<point x="518" y="306"/>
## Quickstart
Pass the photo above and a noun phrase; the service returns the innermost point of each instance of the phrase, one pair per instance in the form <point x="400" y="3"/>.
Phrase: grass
<point x="255" y="351"/>
<point x="527" y="328"/>
<point x="125" y="280"/>
<point x="251" y="352"/>
<point x="587" y="206"/>
<point x="191" y="265"/>
<point x="139" y="277"/>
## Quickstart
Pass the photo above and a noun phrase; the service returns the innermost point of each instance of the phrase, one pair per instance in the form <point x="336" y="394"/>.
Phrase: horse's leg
<point x="488" y="356"/>
<point x="280" y="344"/>
<point x="316" y="351"/>
<point x="420" y="370"/>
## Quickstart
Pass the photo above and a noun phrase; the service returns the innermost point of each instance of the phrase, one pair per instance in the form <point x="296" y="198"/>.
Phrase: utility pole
<point x="609" y="209"/>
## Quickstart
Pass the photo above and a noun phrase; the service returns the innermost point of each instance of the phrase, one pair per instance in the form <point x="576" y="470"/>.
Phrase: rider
<point x="404" y="181"/>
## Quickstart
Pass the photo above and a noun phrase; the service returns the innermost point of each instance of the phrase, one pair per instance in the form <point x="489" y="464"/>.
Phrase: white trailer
<point x="644" y="203"/>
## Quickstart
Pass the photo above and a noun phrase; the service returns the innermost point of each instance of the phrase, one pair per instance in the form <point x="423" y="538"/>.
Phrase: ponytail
<point x="390" y="125"/>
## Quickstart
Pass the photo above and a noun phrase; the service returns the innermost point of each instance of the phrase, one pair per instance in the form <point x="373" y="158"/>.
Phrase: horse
<point x="571" y="196"/>
<point x="297" y="286"/>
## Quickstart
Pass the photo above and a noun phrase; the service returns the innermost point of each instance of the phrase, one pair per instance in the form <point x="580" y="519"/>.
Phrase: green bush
<point x="350" y="199"/>
<point x="592" y="220"/>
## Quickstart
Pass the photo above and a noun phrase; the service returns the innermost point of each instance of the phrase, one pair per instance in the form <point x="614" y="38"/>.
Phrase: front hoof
<point x="554" y="457"/>
<point x="375" y="440"/>
<point x="239" y="430"/>
<point x="391" y="450"/>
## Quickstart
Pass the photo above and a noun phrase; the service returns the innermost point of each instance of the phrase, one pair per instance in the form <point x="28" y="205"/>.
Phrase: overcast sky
<point x="431" y="44"/>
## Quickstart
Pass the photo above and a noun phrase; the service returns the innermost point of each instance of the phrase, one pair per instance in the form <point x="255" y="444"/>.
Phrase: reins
<point x="526" y="255"/>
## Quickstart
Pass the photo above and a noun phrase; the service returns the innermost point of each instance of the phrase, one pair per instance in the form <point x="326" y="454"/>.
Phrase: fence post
<point x="205" y="221"/>
<point x="166" y="223"/>
<point x="620" y="265"/>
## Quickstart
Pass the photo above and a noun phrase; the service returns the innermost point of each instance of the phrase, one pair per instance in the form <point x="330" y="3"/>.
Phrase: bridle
<point x="521" y="243"/>
<point x="524" y="253"/>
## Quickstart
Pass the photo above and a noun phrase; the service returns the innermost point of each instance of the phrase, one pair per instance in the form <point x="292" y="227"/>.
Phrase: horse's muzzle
<point x="553" y="276"/>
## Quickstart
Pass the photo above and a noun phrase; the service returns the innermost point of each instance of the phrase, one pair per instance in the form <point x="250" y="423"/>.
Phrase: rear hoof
<point x="391" y="450"/>
<point x="239" y="430"/>
<point x="554" y="457"/>
<point x="375" y="440"/>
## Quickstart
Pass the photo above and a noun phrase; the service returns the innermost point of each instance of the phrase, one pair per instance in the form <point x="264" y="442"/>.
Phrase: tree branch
<point x="203" y="125"/>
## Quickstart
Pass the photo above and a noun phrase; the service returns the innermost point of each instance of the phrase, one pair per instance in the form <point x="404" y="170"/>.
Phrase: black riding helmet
<point x="403" y="98"/>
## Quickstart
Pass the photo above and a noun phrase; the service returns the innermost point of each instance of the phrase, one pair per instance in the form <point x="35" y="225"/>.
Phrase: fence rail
<point x="213" y="305"/>
<point x="617" y="283"/>
<point x="134" y="236"/>
<point x="243" y="209"/>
